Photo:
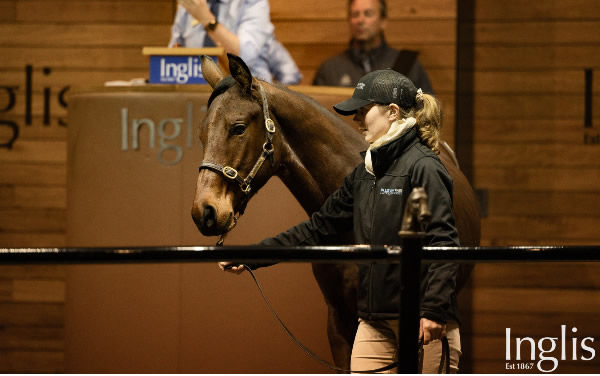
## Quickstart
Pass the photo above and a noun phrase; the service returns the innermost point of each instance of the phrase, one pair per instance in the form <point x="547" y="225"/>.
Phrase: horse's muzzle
<point x="205" y="218"/>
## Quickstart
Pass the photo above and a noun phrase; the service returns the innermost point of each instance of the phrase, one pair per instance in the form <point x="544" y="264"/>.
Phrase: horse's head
<point x="416" y="212"/>
<point x="238" y="135"/>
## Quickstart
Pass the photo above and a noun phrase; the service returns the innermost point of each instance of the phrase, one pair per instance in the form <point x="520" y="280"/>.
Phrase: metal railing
<point x="254" y="254"/>
<point x="409" y="254"/>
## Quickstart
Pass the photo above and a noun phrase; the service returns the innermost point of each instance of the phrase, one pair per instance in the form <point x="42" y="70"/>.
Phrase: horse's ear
<point x="240" y="71"/>
<point x="210" y="71"/>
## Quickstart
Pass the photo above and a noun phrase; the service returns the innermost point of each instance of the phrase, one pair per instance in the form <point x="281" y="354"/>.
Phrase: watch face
<point x="212" y="25"/>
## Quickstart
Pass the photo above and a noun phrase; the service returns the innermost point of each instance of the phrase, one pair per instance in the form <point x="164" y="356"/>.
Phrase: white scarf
<point x="397" y="129"/>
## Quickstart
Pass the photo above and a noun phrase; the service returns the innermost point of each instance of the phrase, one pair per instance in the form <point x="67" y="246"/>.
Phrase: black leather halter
<point x="230" y="173"/>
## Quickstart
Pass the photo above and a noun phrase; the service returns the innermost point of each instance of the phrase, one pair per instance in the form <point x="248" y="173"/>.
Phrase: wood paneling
<point x="8" y="10"/>
<point x="539" y="166"/>
<point x="61" y="35"/>
<point x="438" y="31"/>
<point x="81" y="43"/>
<point x="543" y="155"/>
<point x="67" y="12"/>
<point x="331" y="10"/>
<point x="33" y="174"/>
<point x="35" y="151"/>
<point x="527" y="10"/>
<point x="573" y="276"/>
<point x="535" y="179"/>
<point x="435" y="56"/>
<point x="529" y="153"/>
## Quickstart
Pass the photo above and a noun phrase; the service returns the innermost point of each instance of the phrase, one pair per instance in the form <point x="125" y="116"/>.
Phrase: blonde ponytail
<point x="429" y="121"/>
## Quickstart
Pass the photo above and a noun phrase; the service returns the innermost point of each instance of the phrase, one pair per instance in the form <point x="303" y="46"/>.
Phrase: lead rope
<point x="444" y="361"/>
<point x="221" y="240"/>
<point x="308" y="351"/>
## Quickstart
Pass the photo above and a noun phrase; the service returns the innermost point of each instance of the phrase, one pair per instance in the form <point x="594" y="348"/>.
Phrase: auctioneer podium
<point x="133" y="157"/>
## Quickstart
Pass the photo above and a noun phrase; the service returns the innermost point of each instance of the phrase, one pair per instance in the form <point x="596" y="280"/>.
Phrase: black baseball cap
<point x="382" y="87"/>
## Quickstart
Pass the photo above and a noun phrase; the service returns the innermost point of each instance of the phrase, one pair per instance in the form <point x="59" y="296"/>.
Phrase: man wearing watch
<point x="241" y="27"/>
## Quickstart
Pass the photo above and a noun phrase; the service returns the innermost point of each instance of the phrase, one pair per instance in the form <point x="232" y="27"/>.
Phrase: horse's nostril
<point x="209" y="216"/>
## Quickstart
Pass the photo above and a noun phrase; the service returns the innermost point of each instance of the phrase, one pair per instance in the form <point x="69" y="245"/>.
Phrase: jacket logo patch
<point x="391" y="191"/>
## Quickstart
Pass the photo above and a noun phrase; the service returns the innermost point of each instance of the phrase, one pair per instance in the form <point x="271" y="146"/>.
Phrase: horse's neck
<point x="319" y="151"/>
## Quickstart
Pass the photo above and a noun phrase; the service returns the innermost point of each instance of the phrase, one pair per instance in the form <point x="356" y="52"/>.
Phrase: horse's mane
<point x="333" y="119"/>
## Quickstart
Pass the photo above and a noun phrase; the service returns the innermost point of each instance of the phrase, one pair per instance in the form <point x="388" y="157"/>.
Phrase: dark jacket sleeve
<point x="438" y="279"/>
<point x="326" y="226"/>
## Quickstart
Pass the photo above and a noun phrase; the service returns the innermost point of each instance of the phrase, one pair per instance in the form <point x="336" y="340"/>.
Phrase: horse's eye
<point x="237" y="129"/>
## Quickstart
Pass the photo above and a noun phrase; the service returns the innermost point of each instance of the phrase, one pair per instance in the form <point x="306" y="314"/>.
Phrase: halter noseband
<point x="231" y="173"/>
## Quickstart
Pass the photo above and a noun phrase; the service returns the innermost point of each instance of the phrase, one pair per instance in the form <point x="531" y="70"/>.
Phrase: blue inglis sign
<point x="176" y="70"/>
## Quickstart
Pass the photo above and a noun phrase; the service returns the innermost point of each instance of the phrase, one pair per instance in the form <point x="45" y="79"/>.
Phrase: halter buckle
<point x="270" y="125"/>
<point x="230" y="172"/>
<point x="245" y="188"/>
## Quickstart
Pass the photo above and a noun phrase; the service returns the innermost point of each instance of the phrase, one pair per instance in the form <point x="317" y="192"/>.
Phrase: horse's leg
<point x="340" y="341"/>
<point x="338" y="285"/>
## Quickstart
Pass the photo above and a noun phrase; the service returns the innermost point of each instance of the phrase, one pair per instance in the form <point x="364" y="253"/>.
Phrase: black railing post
<point x="408" y="336"/>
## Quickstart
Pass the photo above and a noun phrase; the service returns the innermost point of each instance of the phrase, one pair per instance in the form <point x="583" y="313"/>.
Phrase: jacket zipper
<point x="374" y="197"/>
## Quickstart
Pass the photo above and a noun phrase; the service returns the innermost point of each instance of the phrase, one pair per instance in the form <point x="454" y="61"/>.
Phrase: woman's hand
<point x="431" y="330"/>
<point x="231" y="267"/>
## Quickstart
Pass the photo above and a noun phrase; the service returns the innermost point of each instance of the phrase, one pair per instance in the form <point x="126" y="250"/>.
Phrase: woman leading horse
<point x="402" y="126"/>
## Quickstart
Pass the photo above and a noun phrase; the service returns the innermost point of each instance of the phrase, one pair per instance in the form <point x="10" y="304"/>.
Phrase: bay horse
<point x="254" y="130"/>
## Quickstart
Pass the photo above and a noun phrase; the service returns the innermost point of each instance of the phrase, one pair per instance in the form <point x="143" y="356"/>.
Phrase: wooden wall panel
<point x="316" y="9"/>
<point x="530" y="149"/>
<point x="536" y="161"/>
<point x="438" y="31"/>
<point x="77" y="12"/>
<point x="81" y="43"/>
<point x="68" y="44"/>
<point x="8" y="10"/>
<point x="526" y="10"/>
<point x="87" y="35"/>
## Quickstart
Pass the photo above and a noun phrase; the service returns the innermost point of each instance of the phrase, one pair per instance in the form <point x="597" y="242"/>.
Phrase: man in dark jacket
<point x="368" y="50"/>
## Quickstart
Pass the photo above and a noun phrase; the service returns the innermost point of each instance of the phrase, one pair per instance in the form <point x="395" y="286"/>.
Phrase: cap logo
<point x="360" y="85"/>
<point x="395" y="92"/>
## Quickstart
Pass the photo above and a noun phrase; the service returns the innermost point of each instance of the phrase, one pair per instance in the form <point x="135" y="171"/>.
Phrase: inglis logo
<point x="579" y="349"/>
<point x="176" y="70"/>
<point x="169" y="130"/>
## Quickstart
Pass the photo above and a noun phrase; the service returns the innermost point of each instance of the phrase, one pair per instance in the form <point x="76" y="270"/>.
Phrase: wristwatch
<point x="211" y="25"/>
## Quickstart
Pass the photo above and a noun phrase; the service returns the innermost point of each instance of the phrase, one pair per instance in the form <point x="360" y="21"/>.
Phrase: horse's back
<point x="466" y="208"/>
